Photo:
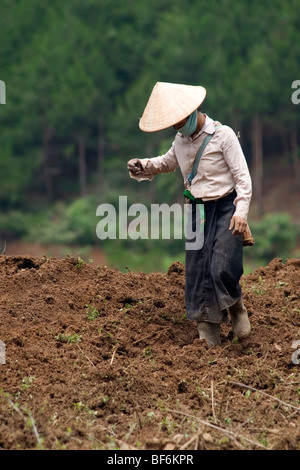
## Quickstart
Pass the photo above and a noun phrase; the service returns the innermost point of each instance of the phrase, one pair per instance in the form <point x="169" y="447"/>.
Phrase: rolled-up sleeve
<point x="153" y="166"/>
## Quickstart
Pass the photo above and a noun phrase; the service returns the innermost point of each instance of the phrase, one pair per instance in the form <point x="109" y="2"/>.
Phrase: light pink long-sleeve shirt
<point x="222" y="167"/>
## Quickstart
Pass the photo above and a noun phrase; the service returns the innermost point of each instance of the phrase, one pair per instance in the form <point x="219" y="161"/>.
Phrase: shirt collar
<point x="208" y="125"/>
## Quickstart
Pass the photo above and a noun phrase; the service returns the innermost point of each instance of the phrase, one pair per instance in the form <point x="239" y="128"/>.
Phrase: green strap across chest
<point x="199" y="155"/>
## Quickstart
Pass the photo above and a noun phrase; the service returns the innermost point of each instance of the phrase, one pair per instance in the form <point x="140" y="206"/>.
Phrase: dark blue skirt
<point x="213" y="272"/>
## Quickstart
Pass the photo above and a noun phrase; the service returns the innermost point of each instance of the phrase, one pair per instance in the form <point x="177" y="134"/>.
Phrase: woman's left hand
<point x="237" y="225"/>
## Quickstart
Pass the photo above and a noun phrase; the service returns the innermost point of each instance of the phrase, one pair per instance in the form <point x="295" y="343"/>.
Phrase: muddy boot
<point x="210" y="332"/>
<point x="239" y="318"/>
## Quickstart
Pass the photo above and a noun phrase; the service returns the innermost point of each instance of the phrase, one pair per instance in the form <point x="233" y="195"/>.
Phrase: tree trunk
<point x="82" y="165"/>
<point x="295" y="157"/>
<point x="285" y="141"/>
<point x="257" y="161"/>
<point x="47" y="136"/>
<point x="101" y="153"/>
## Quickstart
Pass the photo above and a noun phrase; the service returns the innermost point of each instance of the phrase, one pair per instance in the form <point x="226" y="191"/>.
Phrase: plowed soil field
<point x="93" y="358"/>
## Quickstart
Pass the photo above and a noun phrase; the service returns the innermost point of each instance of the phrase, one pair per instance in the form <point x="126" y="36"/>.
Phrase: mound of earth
<point x="93" y="358"/>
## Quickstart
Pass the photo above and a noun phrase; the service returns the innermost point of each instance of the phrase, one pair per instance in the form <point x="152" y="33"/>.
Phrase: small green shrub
<point x="276" y="236"/>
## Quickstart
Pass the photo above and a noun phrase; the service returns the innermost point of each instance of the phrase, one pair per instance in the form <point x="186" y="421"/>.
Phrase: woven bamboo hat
<point x="170" y="103"/>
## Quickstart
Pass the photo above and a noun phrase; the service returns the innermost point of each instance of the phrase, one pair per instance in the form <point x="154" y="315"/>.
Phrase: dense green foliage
<point x="78" y="75"/>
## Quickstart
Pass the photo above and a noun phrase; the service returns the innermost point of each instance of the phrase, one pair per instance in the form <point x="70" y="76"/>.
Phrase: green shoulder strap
<point x="199" y="155"/>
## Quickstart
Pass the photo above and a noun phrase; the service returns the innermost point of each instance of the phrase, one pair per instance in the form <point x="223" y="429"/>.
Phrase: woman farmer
<point x="221" y="182"/>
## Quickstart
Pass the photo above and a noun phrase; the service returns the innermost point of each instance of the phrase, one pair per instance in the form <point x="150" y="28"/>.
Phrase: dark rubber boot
<point x="210" y="332"/>
<point x="239" y="318"/>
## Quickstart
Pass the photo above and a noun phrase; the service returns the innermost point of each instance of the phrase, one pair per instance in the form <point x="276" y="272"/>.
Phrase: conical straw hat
<point x="170" y="103"/>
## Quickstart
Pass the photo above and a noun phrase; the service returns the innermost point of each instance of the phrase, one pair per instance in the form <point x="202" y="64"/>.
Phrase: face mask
<point x="190" y="126"/>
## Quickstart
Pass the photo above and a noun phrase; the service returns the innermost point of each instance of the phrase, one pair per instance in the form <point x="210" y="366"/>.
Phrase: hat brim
<point x="170" y="103"/>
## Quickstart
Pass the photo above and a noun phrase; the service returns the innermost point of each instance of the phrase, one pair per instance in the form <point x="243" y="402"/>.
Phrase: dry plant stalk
<point x="264" y="393"/>
<point x="212" y="400"/>
<point x="85" y="355"/>
<point x="218" y="428"/>
<point x="113" y="355"/>
<point x="34" y="428"/>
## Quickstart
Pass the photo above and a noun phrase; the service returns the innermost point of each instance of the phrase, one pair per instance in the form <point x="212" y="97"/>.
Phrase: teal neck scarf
<point x="190" y="126"/>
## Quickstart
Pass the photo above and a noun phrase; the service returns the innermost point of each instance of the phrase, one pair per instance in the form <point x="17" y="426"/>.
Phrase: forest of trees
<point x="78" y="75"/>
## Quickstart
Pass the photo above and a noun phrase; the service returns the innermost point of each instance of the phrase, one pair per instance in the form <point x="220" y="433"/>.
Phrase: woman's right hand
<point x="135" y="166"/>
